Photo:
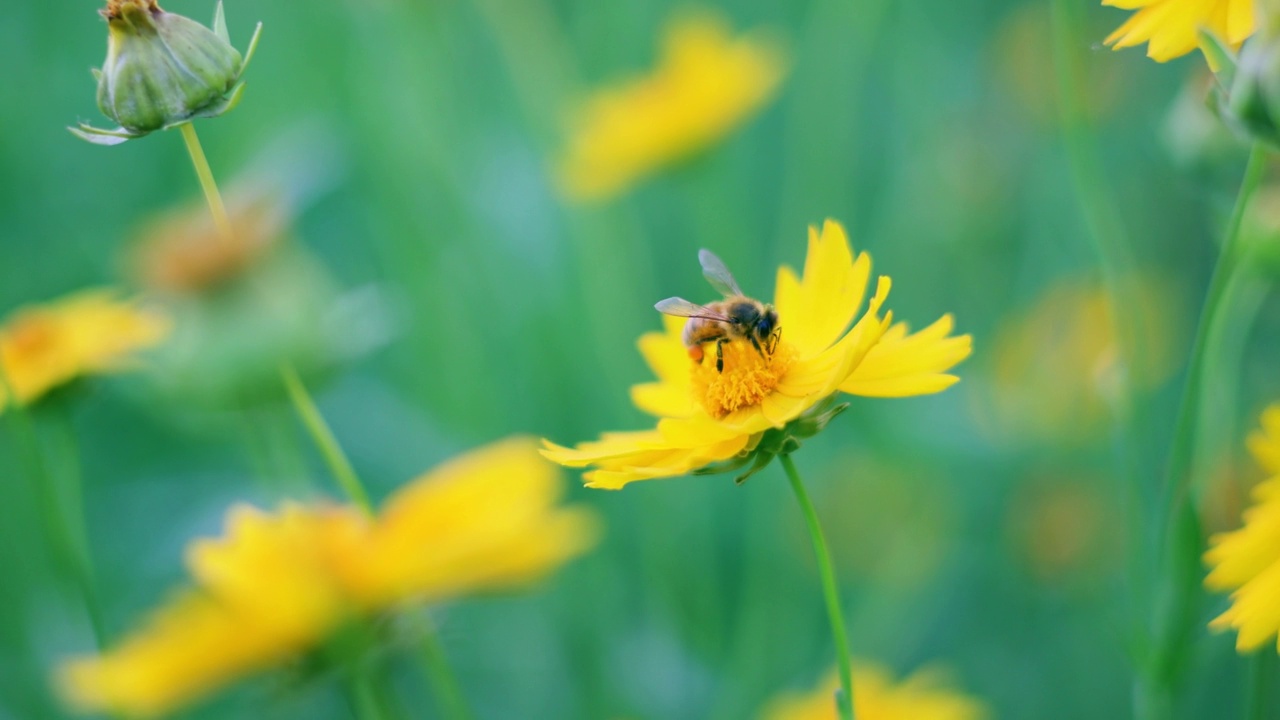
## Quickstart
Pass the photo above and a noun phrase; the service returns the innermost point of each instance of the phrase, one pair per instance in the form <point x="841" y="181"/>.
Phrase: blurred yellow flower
<point x="1247" y="561"/>
<point x="1171" y="27"/>
<point x="277" y="584"/>
<point x="706" y="83"/>
<point x="1058" y="364"/>
<point x="88" y="333"/>
<point x="923" y="696"/>
<point x="708" y="416"/>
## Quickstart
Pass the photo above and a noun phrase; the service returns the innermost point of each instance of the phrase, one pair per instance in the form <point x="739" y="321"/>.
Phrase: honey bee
<point x="735" y="317"/>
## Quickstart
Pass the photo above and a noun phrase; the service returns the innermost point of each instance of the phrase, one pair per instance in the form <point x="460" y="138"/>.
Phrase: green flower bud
<point x="162" y="70"/>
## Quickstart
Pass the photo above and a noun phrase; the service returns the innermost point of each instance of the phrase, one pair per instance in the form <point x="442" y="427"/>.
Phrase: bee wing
<point x="683" y="308"/>
<point x="714" y="270"/>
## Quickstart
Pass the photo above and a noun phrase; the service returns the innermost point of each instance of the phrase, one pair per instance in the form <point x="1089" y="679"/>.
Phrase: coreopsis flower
<point x="1247" y="561"/>
<point x="91" y="332"/>
<point x="162" y="70"/>
<point x="707" y="82"/>
<point x="738" y="401"/>
<point x="1172" y="28"/>
<point x="278" y="584"/>
<point x="924" y="695"/>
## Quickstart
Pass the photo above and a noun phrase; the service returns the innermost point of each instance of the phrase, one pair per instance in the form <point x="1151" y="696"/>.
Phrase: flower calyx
<point x="1246" y="91"/>
<point x="778" y="441"/>
<point x="163" y="70"/>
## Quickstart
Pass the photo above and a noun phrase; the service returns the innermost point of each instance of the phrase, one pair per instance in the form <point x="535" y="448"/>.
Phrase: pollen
<point x="749" y="376"/>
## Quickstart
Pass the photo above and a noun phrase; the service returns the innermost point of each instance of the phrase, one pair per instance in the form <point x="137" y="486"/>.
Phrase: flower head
<point x="706" y="83"/>
<point x="184" y="252"/>
<point x="922" y="696"/>
<point x="722" y="405"/>
<point x="276" y="585"/>
<point x="88" y="333"/>
<point x="162" y="70"/>
<point x="1247" y="561"/>
<point x="1171" y="28"/>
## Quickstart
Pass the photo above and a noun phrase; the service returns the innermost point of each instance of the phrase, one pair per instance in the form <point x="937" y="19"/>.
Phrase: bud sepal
<point x="163" y="70"/>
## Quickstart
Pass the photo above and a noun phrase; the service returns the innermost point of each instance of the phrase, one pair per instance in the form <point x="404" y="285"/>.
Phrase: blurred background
<point x="414" y="255"/>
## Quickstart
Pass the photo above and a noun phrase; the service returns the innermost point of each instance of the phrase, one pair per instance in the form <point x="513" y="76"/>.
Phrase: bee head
<point x="766" y="323"/>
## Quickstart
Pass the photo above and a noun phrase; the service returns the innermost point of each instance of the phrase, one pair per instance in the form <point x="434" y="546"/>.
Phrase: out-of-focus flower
<point x="925" y="695"/>
<point x="763" y="402"/>
<point x="184" y="252"/>
<point x="91" y="332"/>
<point x="162" y="70"/>
<point x="1058" y="365"/>
<point x="277" y="584"/>
<point x="1064" y="528"/>
<point x="1171" y="28"/>
<point x="249" y="300"/>
<point x="262" y="594"/>
<point x="1247" y="561"/>
<point x="706" y="83"/>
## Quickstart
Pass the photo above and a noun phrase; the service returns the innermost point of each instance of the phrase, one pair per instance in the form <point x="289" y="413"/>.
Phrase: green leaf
<point x="253" y="47"/>
<point x="98" y="136"/>
<point x="220" y="24"/>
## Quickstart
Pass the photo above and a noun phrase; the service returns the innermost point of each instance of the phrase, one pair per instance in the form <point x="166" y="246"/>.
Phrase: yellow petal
<point x="814" y="311"/>
<point x="900" y="365"/>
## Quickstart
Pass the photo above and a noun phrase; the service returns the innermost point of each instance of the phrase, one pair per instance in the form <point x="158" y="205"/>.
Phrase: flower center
<point x="747" y="378"/>
<point x="32" y="336"/>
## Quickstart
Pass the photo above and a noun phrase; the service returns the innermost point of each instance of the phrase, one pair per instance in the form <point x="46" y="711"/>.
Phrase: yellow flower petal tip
<point x="1247" y="561"/>
<point x="91" y="332"/>
<point x="1171" y="28"/>
<point x="706" y="83"/>
<point x="925" y="695"/>
<point x="276" y="584"/>
<point x="725" y="401"/>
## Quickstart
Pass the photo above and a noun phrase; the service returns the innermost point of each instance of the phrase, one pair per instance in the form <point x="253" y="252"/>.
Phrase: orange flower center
<point x="747" y="378"/>
<point x="31" y="336"/>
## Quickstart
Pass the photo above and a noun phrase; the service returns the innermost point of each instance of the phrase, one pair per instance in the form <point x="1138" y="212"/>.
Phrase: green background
<point x="473" y="303"/>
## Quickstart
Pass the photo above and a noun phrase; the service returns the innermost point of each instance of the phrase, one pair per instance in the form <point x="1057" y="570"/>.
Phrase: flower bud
<point x="162" y="70"/>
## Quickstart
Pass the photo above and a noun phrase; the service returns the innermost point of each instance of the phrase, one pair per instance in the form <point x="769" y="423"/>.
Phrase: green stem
<point x="1261" y="669"/>
<point x="207" y="184"/>
<point x="830" y="591"/>
<point x="324" y="439"/>
<point x="1179" y="543"/>
<point x="439" y="673"/>
<point x="61" y="509"/>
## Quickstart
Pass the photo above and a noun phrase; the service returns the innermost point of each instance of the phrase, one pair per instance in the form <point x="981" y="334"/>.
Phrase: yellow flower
<point x="707" y="82"/>
<point x="1171" y="28"/>
<point x="762" y="402"/>
<point x="1059" y="364"/>
<point x="277" y="584"/>
<point x="1247" y="561"/>
<point x="262" y="595"/>
<point x="922" y="696"/>
<point x="88" y="333"/>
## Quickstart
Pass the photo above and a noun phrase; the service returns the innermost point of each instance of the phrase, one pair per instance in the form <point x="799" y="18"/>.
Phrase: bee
<point x="735" y="317"/>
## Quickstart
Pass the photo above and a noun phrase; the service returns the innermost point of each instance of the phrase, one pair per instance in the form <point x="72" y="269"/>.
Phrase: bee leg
<point x="756" y="344"/>
<point x="774" y="339"/>
<point x="720" y="354"/>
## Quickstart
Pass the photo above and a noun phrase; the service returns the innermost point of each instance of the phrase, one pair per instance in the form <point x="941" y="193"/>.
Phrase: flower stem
<point x="844" y="698"/>
<point x="323" y="437"/>
<point x="440" y="676"/>
<point x="61" y="508"/>
<point x="1179" y="543"/>
<point x="1261" y="669"/>
<point x="207" y="184"/>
